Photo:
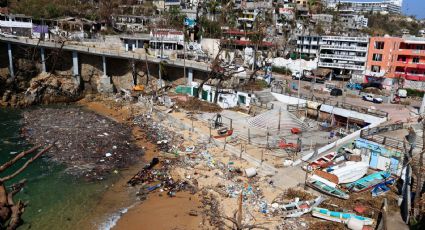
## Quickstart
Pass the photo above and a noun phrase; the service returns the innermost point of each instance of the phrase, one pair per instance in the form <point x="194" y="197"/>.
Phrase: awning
<point x="321" y="72"/>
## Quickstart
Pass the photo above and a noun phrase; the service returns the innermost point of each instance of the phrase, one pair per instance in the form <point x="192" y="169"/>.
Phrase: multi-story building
<point x="410" y="63"/>
<point x="131" y="23"/>
<point x="308" y="45"/>
<point x="344" y="55"/>
<point x="358" y="6"/>
<point x="381" y="56"/>
<point x="394" y="57"/>
<point x="19" y="25"/>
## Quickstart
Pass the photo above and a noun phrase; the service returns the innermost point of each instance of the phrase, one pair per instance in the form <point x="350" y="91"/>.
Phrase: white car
<point x="371" y="98"/>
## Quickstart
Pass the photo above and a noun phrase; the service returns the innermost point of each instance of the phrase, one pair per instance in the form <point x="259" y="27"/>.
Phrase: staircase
<point x="264" y="97"/>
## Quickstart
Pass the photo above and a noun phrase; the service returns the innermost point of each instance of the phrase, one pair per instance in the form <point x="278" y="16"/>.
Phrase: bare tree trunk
<point x="419" y="181"/>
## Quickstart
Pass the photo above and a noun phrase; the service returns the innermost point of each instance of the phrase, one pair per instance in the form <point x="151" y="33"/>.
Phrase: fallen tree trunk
<point x="10" y="213"/>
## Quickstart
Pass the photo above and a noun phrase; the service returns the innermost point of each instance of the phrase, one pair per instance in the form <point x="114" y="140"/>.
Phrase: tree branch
<point x="27" y="163"/>
<point x="18" y="157"/>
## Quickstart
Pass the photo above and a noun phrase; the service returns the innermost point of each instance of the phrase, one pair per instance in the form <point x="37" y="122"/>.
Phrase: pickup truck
<point x="371" y="98"/>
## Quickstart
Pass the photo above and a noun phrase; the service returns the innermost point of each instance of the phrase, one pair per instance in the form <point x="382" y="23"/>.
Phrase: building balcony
<point x="410" y="52"/>
<point x="411" y="76"/>
<point x="350" y="48"/>
<point x="410" y="65"/>
<point x="350" y="39"/>
<point x="343" y="57"/>
<point x="341" y="66"/>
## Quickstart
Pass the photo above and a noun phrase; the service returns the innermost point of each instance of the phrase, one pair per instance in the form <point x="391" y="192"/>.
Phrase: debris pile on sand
<point x="194" y="104"/>
<point x="89" y="144"/>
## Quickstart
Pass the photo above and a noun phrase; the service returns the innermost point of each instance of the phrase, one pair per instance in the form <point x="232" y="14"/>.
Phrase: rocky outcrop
<point x="43" y="89"/>
<point x="47" y="88"/>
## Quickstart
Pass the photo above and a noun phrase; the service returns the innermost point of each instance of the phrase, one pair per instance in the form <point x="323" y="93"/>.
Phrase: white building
<point x="344" y="55"/>
<point x="19" y="25"/>
<point x="166" y="41"/>
<point x="308" y="45"/>
<point x="359" y="6"/>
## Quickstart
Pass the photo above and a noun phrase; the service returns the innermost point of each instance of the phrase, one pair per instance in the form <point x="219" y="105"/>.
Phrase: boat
<point x="299" y="208"/>
<point x="368" y="182"/>
<point x="326" y="187"/>
<point x="340" y="217"/>
<point x="321" y="162"/>
<point x="382" y="188"/>
<point x="349" y="171"/>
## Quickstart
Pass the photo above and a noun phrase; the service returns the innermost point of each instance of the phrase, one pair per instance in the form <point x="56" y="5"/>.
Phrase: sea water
<point x="55" y="200"/>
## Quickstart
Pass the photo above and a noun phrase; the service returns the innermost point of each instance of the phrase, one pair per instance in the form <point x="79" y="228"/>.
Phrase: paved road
<point x="396" y="112"/>
<point x="116" y="53"/>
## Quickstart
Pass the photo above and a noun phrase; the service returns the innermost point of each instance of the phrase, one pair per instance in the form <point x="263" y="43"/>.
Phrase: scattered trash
<point x="250" y="172"/>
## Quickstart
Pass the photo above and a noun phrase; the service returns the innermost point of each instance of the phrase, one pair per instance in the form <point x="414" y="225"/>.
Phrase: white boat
<point x="340" y="217"/>
<point x="299" y="208"/>
<point x="349" y="171"/>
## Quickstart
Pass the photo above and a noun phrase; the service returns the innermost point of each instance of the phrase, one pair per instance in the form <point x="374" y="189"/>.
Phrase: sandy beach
<point x="158" y="211"/>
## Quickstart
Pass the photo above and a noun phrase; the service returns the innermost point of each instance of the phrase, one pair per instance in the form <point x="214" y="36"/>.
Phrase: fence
<point x="360" y="109"/>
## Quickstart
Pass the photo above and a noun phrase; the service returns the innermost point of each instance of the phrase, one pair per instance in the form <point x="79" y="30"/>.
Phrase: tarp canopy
<point x="323" y="72"/>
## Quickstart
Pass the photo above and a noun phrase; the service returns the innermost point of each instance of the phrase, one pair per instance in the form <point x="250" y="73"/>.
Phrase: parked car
<point x="296" y="75"/>
<point x="354" y="86"/>
<point x="336" y="92"/>
<point x="371" y="98"/>
<point x="402" y="93"/>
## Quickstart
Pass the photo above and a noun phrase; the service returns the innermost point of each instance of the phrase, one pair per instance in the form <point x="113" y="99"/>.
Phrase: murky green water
<point x="56" y="200"/>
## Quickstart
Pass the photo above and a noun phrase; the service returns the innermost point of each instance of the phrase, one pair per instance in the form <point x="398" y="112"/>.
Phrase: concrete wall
<point x="210" y="46"/>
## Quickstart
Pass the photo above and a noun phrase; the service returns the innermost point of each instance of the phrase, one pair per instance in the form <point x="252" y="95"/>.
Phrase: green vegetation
<point x="281" y="70"/>
<point x="380" y="25"/>
<point x="415" y="93"/>
<point x="210" y="28"/>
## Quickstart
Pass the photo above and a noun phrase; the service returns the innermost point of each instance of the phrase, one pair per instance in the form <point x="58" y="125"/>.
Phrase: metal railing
<point x="341" y="66"/>
<point x="342" y="105"/>
<point x="107" y="52"/>
<point x="343" y="57"/>
<point x="355" y="48"/>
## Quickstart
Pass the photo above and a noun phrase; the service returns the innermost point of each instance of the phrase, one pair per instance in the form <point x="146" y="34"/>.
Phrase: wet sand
<point x="157" y="212"/>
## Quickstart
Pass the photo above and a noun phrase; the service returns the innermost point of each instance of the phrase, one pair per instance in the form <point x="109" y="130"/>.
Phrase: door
<point x="373" y="160"/>
<point x="204" y="95"/>
<point x="241" y="99"/>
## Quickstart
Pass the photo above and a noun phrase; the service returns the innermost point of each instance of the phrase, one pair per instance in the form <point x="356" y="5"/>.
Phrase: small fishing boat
<point x="340" y="217"/>
<point x="349" y="171"/>
<point x="368" y="182"/>
<point x="382" y="188"/>
<point x="299" y="208"/>
<point x="322" y="162"/>
<point x="326" y="187"/>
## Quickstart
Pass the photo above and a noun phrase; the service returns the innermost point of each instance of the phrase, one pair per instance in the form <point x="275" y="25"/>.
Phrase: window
<point x="376" y="68"/>
<point x="415" y="60"/>
<point x="377" y="57"/>
<point x="379" y="45"/>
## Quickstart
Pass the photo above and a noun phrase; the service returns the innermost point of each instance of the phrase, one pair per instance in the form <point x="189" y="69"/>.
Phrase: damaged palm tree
<point x="220" y="71"/>
<point x="10" y="212"/>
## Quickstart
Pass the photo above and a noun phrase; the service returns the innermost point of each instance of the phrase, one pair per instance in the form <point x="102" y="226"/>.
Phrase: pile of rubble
<point x="89" y="144"/>
<point x="194" y="104"/>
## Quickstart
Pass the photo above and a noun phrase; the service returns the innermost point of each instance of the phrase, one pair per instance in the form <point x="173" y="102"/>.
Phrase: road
<point x="396" y="112"/>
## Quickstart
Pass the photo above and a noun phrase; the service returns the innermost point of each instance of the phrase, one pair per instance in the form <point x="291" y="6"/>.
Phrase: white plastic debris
<point x="108" y="155"/>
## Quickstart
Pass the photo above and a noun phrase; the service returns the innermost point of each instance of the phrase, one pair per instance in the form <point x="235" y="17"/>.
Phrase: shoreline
<point x="119" y="207"/>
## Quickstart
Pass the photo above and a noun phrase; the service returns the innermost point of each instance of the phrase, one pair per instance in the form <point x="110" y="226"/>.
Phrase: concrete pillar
<point x="9" y="52"/>
<point x="422" y="109"/>
<point x="189" y="76"/>
<point x="104" y="84"/>
<point x="43" y="60"/>
<point x="75" y="71"/>
<point x="104" y="66"/>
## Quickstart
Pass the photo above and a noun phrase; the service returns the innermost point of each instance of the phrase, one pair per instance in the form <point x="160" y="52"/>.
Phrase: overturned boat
<point x="349" y="171"/>
<point x="340" y="217"/>
<point x="322" y="162"/>
<point x="382" y="188"/>
<point x="299" y="208"/>
<point x="326" y="187"/>
<point x="368" y="182"/>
